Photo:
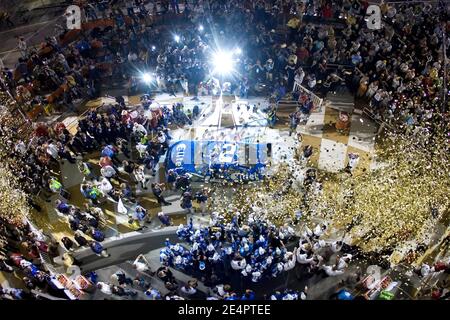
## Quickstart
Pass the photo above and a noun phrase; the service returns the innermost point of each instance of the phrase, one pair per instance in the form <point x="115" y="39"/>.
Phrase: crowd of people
<point x="136" y="46"/>
<point x="23" y="259"/>
<point x="118" y="133"/>
<point x="401" y="67"/>
<point x="252" y="250"/>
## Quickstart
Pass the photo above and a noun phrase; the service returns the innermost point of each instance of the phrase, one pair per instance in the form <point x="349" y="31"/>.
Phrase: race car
<point x="233" y="161"/>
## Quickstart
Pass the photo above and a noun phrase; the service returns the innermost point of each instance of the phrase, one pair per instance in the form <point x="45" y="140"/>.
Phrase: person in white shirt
<point x="312" y="81"/>
<point x="299" y="75"/>
<point x="331" y="271"/>
<point x="247" y="270"/>
<point x="161" y="137"/>
<point x="132" y="57"/>
<point x="238" y="263"/>
<point x="320" y="229"/>
<point x="188" y="290"/>
<point x="256" y="275"/>
<point x="214" y="218"/>
<point x="184" y="84"/>
<point x="139" y="128"/>
<point x="425" y="270"/>
<point x="52" y="150"/>
<point x="216" y="257"/>
<point x="221" y="290"/>
<point x="140" y="176"/>
<point x="290" y="296"/>
<point x="108" y="171"/>
<point x="318" y="245"/>
<point x="21" y="147"/>
<point x="104" y="287"/>
<point x="174" y="297"/>
<point x="353" y="160"/>
<point x="302" y="257"/>
<point x="105" y="186"/>
<point x="341" y="262"/>
<point x="307" y="233"/>
<point x="290" y="260"/>
<point x="303" y="294"/>
<point x="142" y="149"/>
<point x="23" y="47"/>
<point x="336" y="246"/>
<point x="24" y="263"/>
<point x="141" y="266"/>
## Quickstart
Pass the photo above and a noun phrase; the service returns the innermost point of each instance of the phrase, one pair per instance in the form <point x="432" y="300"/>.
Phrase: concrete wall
<point x="125" y="247"/>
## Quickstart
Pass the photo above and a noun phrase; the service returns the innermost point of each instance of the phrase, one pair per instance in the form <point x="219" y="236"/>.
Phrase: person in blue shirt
<point x="182" y="232"/>
<point x="186" y="202"/>
<point x="342" y="294"/>
<point x="141" y="213"/>
<point x="93" y="276"/>
<point x="111" y="152"/>
<point x="175" y="6"/>
<point x="17" y="294"/>
<point x="74" y="223"/>
<point x="262" y="242"/>
<point x="164" y="218"/>
<point x="248" y="295"/>
<point x="127" y="192"/>
<point x="62" y="206"/>
<point x="232" y="296"/>
<point x="86" y="191"/>
<point x="153" y="294"/>
<point x="120" y="20"/>
<point x="97" y="235"/>
<point x="276" y="296"/>
<point x="98" y="249"/>
<point x="202" y="198"/>
<point x="84" y="48"/>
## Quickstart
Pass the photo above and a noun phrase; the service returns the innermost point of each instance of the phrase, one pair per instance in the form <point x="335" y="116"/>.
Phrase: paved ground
<point x="40" y="24"/>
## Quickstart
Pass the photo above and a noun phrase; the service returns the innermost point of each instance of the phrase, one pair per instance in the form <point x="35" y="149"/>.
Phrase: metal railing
<point x="317" y="101"/>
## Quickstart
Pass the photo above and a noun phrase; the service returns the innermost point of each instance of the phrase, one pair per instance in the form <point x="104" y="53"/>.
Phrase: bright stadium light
<point x="201" y="28"/>
<point x="223" y="62"/>
<point x="147" y="78"/>
<point x="177" y="38"/>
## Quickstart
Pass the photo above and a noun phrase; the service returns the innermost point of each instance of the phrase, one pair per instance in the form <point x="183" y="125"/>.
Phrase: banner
<point x="121" y="208"/>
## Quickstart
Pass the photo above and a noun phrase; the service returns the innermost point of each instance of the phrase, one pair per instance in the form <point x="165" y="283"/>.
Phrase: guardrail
<point x="125" y="247"/>
<point x="317" y="101"/>
<point x="45" y="295"/>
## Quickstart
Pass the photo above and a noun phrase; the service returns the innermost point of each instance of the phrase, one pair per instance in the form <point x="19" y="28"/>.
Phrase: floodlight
<point x="147" y="78"/>
<point x="223" y="62"/>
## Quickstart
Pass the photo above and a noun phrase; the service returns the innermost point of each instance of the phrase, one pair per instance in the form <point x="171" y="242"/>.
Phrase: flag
<point x="121" y="208"/>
